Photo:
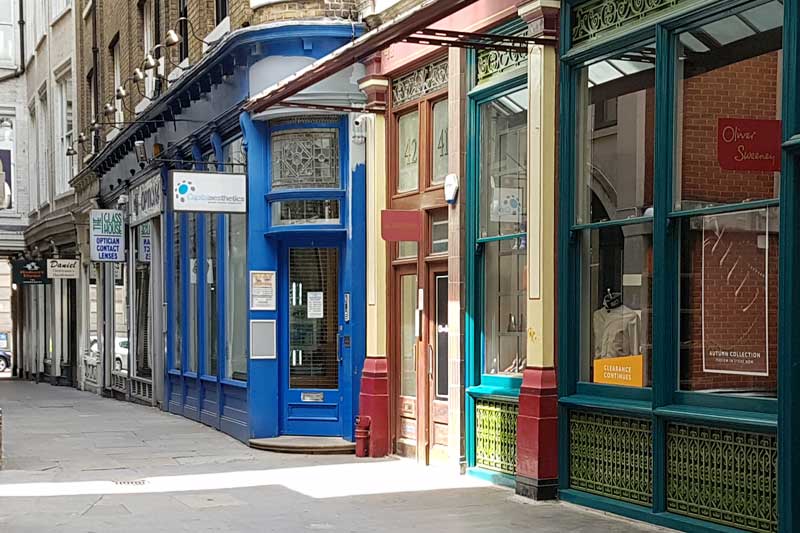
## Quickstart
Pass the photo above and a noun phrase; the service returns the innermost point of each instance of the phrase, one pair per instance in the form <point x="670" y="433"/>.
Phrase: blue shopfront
<point x="266" y="309"/>
<point x="263" y="321"/>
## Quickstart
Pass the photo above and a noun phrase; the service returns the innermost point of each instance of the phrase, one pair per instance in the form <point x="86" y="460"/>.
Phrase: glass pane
<point x="305" y="159"/>
<point x="212" y="323"/>
<point x="615" y="130"/>
<point x="504" y="165"/>
<point x="504" y="325"/>
<point x="177" y="332"/>
<point x="313" y="318"/>
<point x="616" y="303"/>
<point x="6" y="43"/>
<point x="408" y="337"/>
<point x="95" y="313"/>
<point x="729" y="109"/>
<point x="407" y="249"/>
<point x="191" y="236"/>
<point x="439" y="146"/>
<point x="120" y="346"/>
<point x="439" y="230"/>
<point x="290" y="212"/>
<point x="143" y="256"/>
<point x="441" y="337"/>
<point x="408" y="152"/>
<point x="236" y="305"/>
<point x="729" y="303"/>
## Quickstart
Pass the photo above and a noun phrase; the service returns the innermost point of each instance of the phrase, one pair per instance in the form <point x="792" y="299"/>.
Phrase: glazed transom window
<point x="305" y="159"/>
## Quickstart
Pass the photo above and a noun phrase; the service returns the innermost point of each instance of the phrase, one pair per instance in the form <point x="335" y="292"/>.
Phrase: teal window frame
<point x="477" y="383"/>
<point x="664" y="402"/>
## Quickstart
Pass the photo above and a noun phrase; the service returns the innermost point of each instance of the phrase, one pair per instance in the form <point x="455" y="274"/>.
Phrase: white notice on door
<point x="315" y="307"/>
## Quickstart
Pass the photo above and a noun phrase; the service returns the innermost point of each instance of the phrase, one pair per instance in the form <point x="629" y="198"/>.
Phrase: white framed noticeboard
<point x="262" y="290"/>
<point x="263" y="339"/>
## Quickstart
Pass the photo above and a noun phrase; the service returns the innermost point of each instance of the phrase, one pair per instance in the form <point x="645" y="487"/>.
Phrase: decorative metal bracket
<point x="478" y="41"/>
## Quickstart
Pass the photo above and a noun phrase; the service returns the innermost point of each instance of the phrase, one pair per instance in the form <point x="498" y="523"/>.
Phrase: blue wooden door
<point x="312" y="358"/>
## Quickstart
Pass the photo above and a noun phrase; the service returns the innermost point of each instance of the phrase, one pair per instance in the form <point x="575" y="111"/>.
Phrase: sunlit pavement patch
<point x="328" y="481"/>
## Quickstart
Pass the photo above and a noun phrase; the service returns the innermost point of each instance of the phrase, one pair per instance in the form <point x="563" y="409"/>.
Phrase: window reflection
<point x="504" y="165"/>
<point x="614" y="168"/>
<point x="729" y="107"/>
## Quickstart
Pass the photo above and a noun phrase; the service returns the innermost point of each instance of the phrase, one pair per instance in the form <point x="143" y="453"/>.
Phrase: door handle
<point x="339" y="357"/>
<point x="430" y="361"/>
<point x="415" y="357"/>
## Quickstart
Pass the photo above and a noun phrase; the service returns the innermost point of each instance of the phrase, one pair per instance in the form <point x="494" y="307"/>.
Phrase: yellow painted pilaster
<point x="377" y="290"/>
<point x="542" y="84"/>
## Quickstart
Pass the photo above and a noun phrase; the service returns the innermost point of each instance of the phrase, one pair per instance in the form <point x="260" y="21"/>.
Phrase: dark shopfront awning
<point x="410" y="26"/>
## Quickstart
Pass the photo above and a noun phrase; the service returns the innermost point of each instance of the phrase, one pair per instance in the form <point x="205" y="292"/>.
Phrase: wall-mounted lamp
<point x="141" y="153"/>
<point x="109" y="109"/>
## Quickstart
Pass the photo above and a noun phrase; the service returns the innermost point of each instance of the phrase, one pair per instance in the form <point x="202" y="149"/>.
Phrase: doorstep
<point x="306" y="445"/>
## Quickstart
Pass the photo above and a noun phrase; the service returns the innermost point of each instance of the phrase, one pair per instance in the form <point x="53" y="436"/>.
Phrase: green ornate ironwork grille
<point x="496" y="435"/>
<point x="611" y="456"/>
<point x="602" y="16"/>
<point x="724" y="476"/>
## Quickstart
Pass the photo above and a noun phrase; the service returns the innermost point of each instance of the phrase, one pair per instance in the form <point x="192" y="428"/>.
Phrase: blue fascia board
<point x="334" y="34"/>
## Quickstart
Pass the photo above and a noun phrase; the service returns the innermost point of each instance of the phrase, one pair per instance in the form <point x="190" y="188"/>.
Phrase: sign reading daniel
<point x="107" y="235"/>
<point x="208" y="192"/>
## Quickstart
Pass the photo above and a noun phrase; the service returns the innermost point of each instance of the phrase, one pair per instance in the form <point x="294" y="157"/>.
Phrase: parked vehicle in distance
<point x="5" y="360"/>
<point x="120" y="352"/>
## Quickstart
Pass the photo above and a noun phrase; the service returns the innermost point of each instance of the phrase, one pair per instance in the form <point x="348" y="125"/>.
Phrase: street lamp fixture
<point x="141" y="152"/>
<point x="109" y="109"/>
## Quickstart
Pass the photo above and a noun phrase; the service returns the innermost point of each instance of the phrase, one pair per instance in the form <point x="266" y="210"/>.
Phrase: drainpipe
<point x="21" y="68"/>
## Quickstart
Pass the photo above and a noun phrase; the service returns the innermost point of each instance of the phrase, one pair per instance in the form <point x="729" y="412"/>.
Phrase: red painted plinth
<point x="537" y="426"/>
<point x="374" y="403"/>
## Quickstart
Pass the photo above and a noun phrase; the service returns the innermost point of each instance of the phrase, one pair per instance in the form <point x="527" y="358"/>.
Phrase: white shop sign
<point x="146" y="200"/>
<point x="208" y="192"/>
<point x="107" y="235"/>
<point x="63" y="268"/>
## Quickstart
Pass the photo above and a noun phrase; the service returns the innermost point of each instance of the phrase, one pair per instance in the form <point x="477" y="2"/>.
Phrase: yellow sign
<point x="627" y="371"/>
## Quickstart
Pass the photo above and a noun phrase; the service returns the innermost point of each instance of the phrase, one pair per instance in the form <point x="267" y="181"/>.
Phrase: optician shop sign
<point x="146" y="200"/>
<point x="107" y="235"/>
<point x="208" y="192"/>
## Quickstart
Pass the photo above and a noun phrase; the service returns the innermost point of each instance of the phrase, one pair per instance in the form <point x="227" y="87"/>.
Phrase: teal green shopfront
<point x="678" y="259"/>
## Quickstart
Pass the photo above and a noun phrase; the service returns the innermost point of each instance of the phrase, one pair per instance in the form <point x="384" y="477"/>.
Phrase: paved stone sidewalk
<point x="75" y="462"/>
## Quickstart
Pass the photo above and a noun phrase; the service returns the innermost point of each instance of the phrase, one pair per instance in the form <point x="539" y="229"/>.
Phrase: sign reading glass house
<point x="208" y="192"/>
<point x="107" y="235"/>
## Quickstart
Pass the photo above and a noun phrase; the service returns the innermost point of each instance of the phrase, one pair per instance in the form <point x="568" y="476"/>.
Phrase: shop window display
<point x="614" y="200"/>
<point x="177" y="332"/>
<point x="194" y="274"/>
<point x="120" y="346"/>
<point x="503" y="220"/>
<point x="728" y="146"/>
<point x="210" y="284"/>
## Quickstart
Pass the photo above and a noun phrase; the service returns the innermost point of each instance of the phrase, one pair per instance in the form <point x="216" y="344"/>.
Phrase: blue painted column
<point x="263" y="381"/>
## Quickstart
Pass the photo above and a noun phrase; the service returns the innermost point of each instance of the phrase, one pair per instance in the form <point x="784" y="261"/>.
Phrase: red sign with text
<point x="398" y="225"/>
<point x="749" y="144"/>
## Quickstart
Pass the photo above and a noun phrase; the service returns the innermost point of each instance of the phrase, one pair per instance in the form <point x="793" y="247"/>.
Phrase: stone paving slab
<point x="116" y="466"/>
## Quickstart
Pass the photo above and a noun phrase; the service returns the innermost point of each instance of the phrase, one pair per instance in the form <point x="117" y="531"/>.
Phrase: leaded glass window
<point x="305" y="159"/>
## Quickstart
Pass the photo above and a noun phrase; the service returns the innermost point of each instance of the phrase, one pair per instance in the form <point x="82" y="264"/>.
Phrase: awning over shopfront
<point x="411" y="26"/>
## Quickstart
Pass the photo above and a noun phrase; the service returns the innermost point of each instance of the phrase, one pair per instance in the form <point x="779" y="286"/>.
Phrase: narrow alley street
<point x="78" y="462"/>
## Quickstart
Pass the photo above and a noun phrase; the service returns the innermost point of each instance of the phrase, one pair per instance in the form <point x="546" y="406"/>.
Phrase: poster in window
<point x="506" y="204"/>
<point x="262" y="290"/>
<point x="315" y="307"/>
<point x="735" y="280"/>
